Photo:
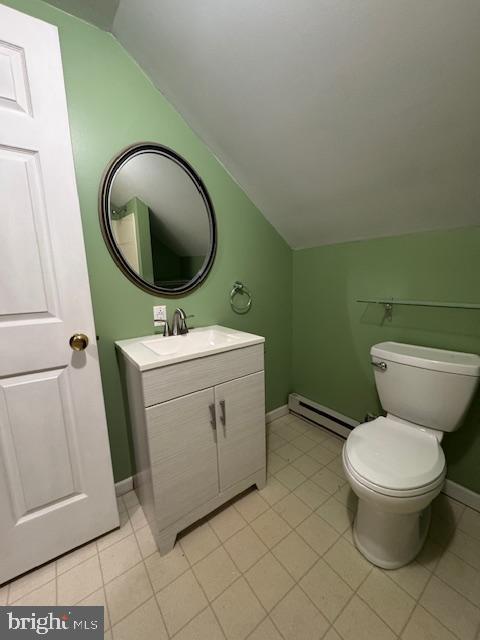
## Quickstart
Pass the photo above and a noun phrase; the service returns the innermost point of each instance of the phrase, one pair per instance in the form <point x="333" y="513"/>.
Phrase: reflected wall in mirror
<point x="157" y="219"/>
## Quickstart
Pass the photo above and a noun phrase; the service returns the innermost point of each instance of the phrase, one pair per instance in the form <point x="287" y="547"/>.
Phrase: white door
<point x="56" y="484"/>
<point x="125" y="233"/>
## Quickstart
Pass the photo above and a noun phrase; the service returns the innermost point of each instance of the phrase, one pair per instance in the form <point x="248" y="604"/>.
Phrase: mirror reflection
<point x="159" y="220"/>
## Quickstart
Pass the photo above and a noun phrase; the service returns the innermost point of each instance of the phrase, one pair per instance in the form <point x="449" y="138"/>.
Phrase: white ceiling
<point x="341" y="119"/>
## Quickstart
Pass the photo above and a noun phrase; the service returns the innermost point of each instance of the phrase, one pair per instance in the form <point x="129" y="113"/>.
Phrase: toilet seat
<point x="394" y="459"/>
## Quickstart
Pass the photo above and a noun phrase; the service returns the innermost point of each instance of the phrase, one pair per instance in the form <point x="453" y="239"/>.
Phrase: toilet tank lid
<point x="467" y="364"/>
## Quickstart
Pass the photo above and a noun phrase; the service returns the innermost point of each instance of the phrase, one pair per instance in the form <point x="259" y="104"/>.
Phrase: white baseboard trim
<point x="462" y="494"/>
<point x="124" y="486"/>
<point x="276" y="413"/>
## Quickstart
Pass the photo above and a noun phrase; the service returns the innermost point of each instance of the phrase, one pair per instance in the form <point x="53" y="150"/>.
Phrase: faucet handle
<point x="166" y="329"/>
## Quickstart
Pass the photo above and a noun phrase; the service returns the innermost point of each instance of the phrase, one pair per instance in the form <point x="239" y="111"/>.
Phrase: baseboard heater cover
<point x="322" y="416"/>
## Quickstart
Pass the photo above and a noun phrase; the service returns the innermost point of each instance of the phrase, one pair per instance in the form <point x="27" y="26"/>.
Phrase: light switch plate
<point x="159" y="314"/>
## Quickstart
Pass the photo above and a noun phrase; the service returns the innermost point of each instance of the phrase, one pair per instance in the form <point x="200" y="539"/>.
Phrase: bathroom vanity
<point x="197" y="409"/>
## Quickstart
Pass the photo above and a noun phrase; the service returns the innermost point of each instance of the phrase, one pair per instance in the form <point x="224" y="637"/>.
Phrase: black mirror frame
<point x="104" y="200"/>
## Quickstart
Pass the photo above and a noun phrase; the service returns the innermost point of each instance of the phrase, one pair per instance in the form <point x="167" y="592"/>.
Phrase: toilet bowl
<point x="395" y="464"/>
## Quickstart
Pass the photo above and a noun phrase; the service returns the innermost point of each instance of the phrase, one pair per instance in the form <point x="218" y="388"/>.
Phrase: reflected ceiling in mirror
<point x="157" y="219"/>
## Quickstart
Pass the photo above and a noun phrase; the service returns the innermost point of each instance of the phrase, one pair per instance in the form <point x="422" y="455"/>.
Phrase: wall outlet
<point x="159" y="314"/>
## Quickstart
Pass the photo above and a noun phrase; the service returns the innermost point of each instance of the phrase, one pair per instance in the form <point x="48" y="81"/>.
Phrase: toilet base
<point x="389" y="540"/>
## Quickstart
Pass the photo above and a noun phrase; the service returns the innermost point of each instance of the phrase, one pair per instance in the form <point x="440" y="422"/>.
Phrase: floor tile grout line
<point x="61" y="573"/>
<point x="56" y="582"/>
<point x="139" y="606"/>
<point x="226" y="589"/>
<point x="401" y="587"/>
<point x="367" y="604"/>
<point x="103" y="583"/>
<point x="335" y="618"/>
<point x="242" y="575"/>
<point x="297" y="583"/>
<point x="156" y="599"/>
<point x="448" y="550"/>
<point x="434" y="575"/>
<point x="31" y="572"/>
<point x="249" y="522"/>
<point x="155" y="591"/>
<point x="115" y="542"/>
<point x="306" y="542"/>
<point x="104" y="594"/>
<point x="225" y="507"/>
<point x="154" y="594"/>
<point x="423" y="591"/>
<point x="209" y="606"/>
<point x="200" y="585"/>
<point x="257" y="560"/>
<point x="418" y="604"/>
<point x="25" y="595"/>
<point x="410" y="616"/>
<point x="288" y="570"/>
<point x="267" y="617"/>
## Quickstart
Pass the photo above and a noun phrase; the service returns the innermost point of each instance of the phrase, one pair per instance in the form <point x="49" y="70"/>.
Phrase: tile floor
<point x="275" y="564"/>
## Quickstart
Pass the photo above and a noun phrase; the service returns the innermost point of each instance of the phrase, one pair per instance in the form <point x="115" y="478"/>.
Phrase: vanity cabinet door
<point x="183" y="454"/>
<point x="240" y="407"/>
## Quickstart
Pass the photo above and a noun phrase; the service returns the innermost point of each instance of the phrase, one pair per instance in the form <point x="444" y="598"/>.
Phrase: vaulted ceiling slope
<point x="98" y="12"/>
<point x="341" y="119"/>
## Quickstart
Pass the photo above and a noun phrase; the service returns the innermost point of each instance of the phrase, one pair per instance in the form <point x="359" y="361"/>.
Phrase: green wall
<point x="104" y="118"/>
<point x="332" y="333"/>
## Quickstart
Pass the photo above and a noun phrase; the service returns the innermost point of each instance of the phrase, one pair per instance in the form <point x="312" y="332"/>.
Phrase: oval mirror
<point x="157" y="219"/>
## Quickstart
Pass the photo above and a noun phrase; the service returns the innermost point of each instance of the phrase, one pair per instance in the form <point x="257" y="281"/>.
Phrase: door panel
<point x="56" y="483"/>
<point x="183" y="454"/>
<point x="14" y="91"/>
<point x="23" y="258"/>
<point x="42" y="461"/>
<point x="241" y="428"/>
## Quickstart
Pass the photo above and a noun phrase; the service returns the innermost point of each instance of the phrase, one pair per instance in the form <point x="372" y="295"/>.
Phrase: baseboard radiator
<point x="322" y="416"/>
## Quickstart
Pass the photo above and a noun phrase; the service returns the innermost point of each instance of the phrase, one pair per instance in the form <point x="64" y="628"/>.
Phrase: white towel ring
<point x="241" y="289"/>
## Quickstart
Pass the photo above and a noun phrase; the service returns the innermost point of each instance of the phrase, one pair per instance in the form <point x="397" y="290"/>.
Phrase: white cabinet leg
<point x="261" y="479"/>
<point x="166" y="541"/>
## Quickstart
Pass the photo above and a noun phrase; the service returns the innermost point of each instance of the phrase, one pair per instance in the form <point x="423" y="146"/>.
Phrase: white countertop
<point x="151" y="352"/>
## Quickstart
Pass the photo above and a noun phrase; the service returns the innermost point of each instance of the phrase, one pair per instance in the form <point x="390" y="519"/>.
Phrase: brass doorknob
<point x="79" y="341"/>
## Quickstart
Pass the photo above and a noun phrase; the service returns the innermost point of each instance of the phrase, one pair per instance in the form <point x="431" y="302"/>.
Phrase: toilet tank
<point x="429" y="387"/>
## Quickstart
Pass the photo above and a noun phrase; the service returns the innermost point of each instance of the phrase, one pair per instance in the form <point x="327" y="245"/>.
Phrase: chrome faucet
<point x="179" y="323"/>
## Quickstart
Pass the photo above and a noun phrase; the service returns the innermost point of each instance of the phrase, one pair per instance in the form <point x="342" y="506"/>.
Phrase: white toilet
<point x="396" y="465"/>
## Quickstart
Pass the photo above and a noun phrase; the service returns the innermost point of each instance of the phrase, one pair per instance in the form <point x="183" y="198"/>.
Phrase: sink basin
<point x="165" y="347"/>
<point x="195" y="341"/>
<point x="150" y="352"/>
